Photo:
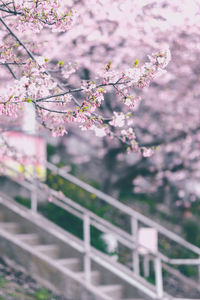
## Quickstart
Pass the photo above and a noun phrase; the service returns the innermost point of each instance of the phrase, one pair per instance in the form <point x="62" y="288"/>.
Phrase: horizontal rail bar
<point x="107" y="226"/>
<point x="122" y="236"/>
<point x="114" y="267"/>
<point x="178" y="261"/>
<point x="129" y="211"/>
<point x="122" y="207"/>
<point x="184" y="261"/>
<point x="112" y="228"/>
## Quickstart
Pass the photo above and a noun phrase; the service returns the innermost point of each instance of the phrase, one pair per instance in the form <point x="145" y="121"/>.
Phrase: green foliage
<point x="77" y="194"/>
<point x="51" y="150"/>
<point x="14" y="295"/>
<point x="60" y="63"/>
<point x="127" y="196"/>
<point x="23" y="201"/>
<point x="136" y="62"/>
<point x="62" y="218"/>
<point x="42" y="294"/>
<point x="71" y="223"/>
<point x="192" y="232"/>
<point x="84" y="198"/>
<point x="96" y="240"/>
<point x="188" y="271"/>
<point x="3" y="281"/>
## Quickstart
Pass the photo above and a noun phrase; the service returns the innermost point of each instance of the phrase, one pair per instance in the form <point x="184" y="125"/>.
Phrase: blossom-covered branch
<point x="56" y="107"/>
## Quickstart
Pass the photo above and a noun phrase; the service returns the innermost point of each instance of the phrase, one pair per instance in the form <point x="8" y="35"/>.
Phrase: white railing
<point x="131" y="274"/>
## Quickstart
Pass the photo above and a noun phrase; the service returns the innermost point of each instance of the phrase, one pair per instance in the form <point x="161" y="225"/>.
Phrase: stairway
<point x="47" y="257"/>
<point x="74" y="268"/>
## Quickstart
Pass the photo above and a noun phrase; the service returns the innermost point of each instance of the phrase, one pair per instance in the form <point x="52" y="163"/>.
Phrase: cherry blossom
<point x="49" y="86"/>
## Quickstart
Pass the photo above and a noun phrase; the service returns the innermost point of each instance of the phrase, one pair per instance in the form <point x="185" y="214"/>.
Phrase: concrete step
<point x="72" y="264"/>
<point x="31" y="239"/>
<point x="114" y="291"/>
<point x="45" y="242"/>
<point x="95" y="277"/>
<point x="10" y="227"/>
<point x="51" y="251"/>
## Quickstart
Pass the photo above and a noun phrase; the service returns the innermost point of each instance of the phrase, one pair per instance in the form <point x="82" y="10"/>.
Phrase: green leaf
<point x="136" y="62"/>
<point x="60" y="63"/>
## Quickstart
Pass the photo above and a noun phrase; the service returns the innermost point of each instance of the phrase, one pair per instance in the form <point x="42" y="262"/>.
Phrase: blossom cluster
<point x="7" y="53"/>
<point x="137" y="77"/>
<point x="56" y="109"/>
<point x="57" y="106"/>
<point x="36" y="14"/>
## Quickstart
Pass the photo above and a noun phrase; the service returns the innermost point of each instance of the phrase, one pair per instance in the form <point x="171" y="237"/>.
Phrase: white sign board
<point x="147" y="237"/>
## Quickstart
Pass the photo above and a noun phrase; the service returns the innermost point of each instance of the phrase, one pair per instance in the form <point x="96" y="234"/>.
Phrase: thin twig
<point x="11" y="71"/>
<point x="17" y="39"/>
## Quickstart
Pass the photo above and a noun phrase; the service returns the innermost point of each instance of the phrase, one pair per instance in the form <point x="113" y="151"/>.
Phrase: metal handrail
<point x="107" y="227"/>
<point x="129" y="240"/>
<point x="123" y="208"/>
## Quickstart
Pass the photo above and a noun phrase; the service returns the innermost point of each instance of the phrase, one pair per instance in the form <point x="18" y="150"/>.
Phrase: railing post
<point x="87" y="260"/>
<point x="34" y="194"/>
<point x="135" y="253"/>
<point x="146" y="266"/>
<point x="199" y="270"/>
<point x="158" y="277"/>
